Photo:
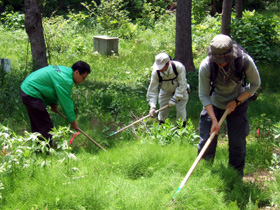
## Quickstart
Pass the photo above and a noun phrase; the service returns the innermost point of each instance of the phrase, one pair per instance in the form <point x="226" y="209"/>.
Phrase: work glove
<point x="172" y="102"/>
<point x="152" y="112"/>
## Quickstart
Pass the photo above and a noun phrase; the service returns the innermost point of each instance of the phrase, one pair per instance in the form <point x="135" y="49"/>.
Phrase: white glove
<point x="172" y="102"/>
<point x="152" y="112"/>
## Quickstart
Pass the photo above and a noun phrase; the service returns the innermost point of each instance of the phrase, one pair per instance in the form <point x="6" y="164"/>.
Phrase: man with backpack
<point x="168" y="85"/>
<point x="222" y="85"/>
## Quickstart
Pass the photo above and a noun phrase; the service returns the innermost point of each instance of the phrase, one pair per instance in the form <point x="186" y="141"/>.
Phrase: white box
<point x="106" y="45"/>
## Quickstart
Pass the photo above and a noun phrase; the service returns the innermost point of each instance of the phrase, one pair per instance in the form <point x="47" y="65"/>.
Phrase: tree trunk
<point x="214" y="9"/>
<point x="239" y="8"/>
<point x="34" y="29"/>
<point x="183" y="48"/>
<point x="1" y="8"/>
<point x="226" y="17"/>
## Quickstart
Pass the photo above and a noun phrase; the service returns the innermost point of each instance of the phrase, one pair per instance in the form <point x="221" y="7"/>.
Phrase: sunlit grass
<point x="130" y="176"/>
<point x="136" y="172"/>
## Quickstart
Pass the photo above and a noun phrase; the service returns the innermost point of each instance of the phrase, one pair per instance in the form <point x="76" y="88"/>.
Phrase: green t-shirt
<point x="52" y="84"/>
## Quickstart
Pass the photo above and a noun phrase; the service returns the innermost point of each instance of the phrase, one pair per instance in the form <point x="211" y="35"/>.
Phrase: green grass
<point x="137" y="172"/>
<point x="130" y="176"/>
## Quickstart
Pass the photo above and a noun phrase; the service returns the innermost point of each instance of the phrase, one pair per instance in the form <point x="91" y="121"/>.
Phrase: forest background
<point x="144" y="165"/>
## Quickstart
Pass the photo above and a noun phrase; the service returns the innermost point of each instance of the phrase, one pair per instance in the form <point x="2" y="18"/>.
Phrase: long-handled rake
<point x="137" y="121"/>
<point x="84" y="134"/>
<point x="209" y="140"/>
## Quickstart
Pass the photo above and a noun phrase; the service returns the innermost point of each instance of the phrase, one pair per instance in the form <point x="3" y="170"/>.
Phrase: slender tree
<point x="214" y="9"/>
<point x="239" y="8"/>
<point x="183" y="47"/>
<point x="226" y="17"/>
<point x="34" y="29"/>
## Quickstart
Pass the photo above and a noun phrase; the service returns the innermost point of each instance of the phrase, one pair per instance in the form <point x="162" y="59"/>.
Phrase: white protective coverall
<point x="166" y="89"/>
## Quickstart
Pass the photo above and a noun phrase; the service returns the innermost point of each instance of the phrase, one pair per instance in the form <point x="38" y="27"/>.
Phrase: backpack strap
<point x="174" y="70"/>
<point x="213" y="75"/>
<point x="159" y="76"/>
<point x="240" y="64"/>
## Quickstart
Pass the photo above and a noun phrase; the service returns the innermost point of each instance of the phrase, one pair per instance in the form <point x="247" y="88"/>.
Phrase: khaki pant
<point x="181" y="112"/>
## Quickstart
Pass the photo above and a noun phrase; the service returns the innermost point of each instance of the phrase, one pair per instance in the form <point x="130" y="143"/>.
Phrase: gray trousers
<point x="238" y="129"/>
<point x="181" y="112"/>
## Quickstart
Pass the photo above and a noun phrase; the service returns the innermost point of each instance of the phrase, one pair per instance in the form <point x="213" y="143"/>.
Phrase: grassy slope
<point x="130" y="176"/>
<point x="133" y="175"/>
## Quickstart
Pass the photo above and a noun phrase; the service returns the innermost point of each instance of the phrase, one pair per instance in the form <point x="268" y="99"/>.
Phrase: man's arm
<point x="254" y="79"/>
<point x="64" y="97"/>
<point x="215" y="124"/>
<point x="74" y="125"/>
<point x="54" y="108"/>
<point x="233" y="104"/>
<point x="152" y="93"/>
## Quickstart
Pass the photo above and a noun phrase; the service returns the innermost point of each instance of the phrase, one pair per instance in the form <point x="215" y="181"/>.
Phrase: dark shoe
<point x="161" y="122"/>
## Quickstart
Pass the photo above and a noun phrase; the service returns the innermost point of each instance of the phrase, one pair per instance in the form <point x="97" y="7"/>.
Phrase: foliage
<point x="257" y="4"/>
<point x="261" y="35"/>
<point x="12" y="20"/>
<point x="9" y="92"/>
<point x="200" y="9"/>
<point x="113" y="18"/>
<point x="111" y="99"/>
<point x="273" y="5"/>
<point x="145" y="176"/>
<point x="275" y="160"/>
<point x="168" y="133"/>
<point x="146" y="12"/>
<point x="143" y="173"/>
<point x="200" y="43"/>
<point x="263" y="130"/>
<point x="21" y="152"/>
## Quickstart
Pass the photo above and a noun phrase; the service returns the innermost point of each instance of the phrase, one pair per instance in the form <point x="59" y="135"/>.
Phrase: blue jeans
<point x="238" y="129"/>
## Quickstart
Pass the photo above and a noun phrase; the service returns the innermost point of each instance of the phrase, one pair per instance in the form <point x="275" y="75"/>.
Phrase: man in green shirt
<point x="47" y="86"/>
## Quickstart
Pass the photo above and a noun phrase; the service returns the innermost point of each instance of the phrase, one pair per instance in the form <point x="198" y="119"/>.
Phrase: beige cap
<point x="221" y="44"/>
<point x="160" y="61"/>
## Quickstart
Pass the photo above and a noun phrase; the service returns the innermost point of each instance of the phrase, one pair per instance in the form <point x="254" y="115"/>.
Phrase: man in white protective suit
<point x="168" y="85"/>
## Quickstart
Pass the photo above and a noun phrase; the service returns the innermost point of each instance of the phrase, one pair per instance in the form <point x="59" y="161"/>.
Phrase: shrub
<point x="260" y="33"/>
<point x="113" y="18"/>
<point x="12" y="20"/>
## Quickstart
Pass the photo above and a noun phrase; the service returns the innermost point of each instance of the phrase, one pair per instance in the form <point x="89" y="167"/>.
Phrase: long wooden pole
<point x="84" y="133"/>
<point x="137" y="121"/>
<point x="200" y="155"/>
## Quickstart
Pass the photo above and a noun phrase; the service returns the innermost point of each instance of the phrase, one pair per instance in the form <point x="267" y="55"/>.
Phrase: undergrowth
<point x="145" y="164"/>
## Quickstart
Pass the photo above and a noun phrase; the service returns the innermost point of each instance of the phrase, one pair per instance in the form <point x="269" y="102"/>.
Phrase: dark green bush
<point x="12" y="20"/>
<point x="256" y="34"/>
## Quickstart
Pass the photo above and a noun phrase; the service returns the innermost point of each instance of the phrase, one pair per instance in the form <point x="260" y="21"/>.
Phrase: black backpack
<point x="176" y="75"/>
<point x="240" y="63"/>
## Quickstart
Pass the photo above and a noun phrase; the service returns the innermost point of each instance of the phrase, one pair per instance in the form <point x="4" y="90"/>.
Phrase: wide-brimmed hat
<point x="160" y="61"/>
<point x="222" y="49"/>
